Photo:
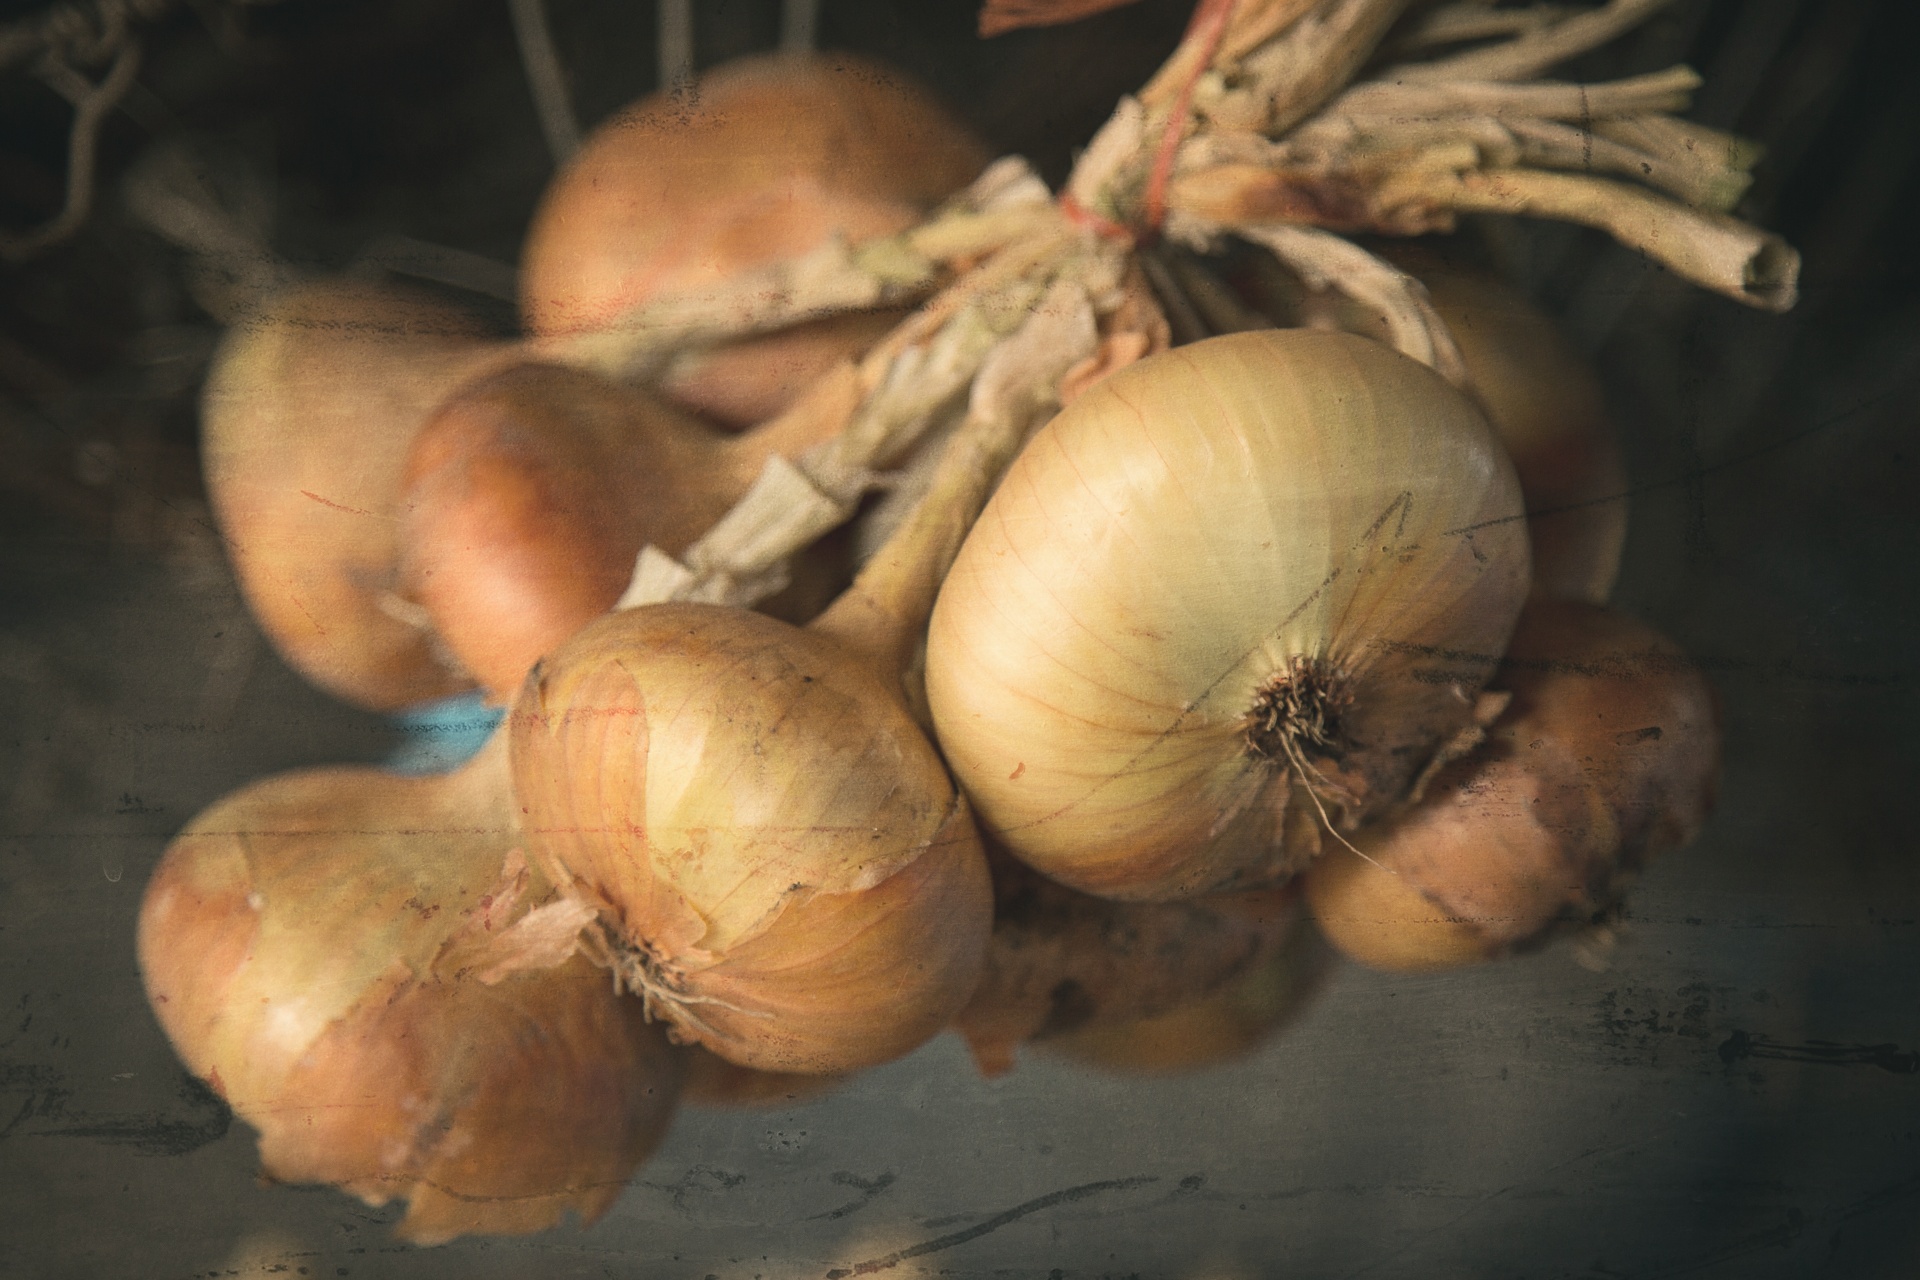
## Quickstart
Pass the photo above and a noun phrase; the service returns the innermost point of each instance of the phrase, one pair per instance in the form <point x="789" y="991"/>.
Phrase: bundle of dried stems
<point x="1285" y="123"/>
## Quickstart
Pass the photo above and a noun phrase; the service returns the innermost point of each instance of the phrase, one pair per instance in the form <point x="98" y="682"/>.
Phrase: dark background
<point x="1738" y="1094"/>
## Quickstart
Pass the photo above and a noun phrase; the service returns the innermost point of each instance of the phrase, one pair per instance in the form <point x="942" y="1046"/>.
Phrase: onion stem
<point x="1395" y="100"/>
<point x="884" y="612"/>
<point x="1719" y="253"/>
<point x="1327" y="261"/>
<point x="1532" y="52"/>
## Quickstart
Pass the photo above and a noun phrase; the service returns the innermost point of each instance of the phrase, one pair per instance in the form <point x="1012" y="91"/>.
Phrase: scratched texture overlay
<point x="1735" y="1094"/>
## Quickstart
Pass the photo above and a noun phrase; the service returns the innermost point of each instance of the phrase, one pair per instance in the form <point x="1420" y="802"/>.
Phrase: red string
<point x="1079" y="215"/>
<point x="1209" y="26"/>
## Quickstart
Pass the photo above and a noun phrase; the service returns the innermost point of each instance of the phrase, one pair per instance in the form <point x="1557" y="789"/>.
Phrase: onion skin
<point x="528" y="494"/>
<point x="527" y="497"/>
<point x="765" y="829"/>
<point x="742" y="383"/>
<point x="765" y="159"/>
<point x="295" y="944"/>
<point x="1063" y="962"/>
<point x="1222" y="1026"/>
<point x="712" y="1081"/>
<point x="1160" y="555"/>
<point x="305" y="421"/>
<point x="1607" y="755"/>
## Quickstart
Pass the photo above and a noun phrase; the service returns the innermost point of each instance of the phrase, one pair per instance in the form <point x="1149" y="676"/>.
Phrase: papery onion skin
<point x="1063" y="962"/>
<point x="1607" y="755"/>
<point x="1250" y="514"/>
<point x="766" y="159"/>
<point x="771" y="836"/>
<point x="306" y="418"/>
<point x="289" y="942"/>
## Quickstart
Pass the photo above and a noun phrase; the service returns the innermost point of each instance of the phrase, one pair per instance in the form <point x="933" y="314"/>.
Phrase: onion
<point x="1607" y="755"/>
<point x="785" y="869"/>
<point x="1545" y="402"/>
<point x="760" y="160"/>
<point x="1221" y="1026"/>
<point x="1237" y="593"/>
<point x="1063" y="963"/>
<point x="748" y="381"/>
<point x="314" y="946"/>
<point x="306" y="418"/>
<point x="776" y="855"/>
<point x="712" y="1081"/>
<point x="529" y="493"/>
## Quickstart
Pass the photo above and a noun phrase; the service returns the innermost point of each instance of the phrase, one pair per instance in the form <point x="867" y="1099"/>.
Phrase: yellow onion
<point x="776" y="856"/>
<point x="784" y="867"/>
<point x="528" y="494"/>
<point x="342" y="954"/>
<point x="305" y="422"/>
<point x="1235" y="595"/>
<point x="1607" y="754"/>
<point x="761" y="160"/>
<point x="1224" y="1025"/>
<point x="1063" y="963"/>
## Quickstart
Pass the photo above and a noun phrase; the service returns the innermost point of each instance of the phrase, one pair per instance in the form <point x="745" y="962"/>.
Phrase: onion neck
<point x="817" y="416"/>
<point x="883" y="615"/>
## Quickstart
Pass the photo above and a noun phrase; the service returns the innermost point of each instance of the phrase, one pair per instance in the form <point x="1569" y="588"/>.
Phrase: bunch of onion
<point x="315" y="399"/>
<point x="1541" y="397"/>
<point x="1224" y="1025"/>
<point x="347" y="957"/>
<point x="1063" y="962"/>
<point x="528" y="495"/>
<point x="1232" y="599"/>
<point x="762" y="160"/>
<point x="775" y="854"/>
<point x="306" y="419"/>
<point x="1607" y="754"/>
